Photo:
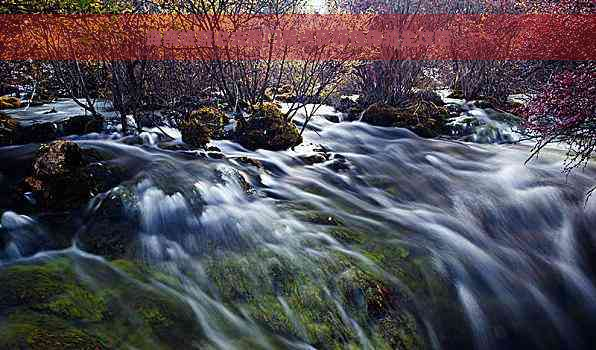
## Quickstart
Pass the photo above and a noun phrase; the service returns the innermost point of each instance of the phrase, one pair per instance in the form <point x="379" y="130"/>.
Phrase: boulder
<point x="424" y="118"/>
<point x="284" y="94"/>
<point x="57" y="159"/>
<point x="268" y="129"/>
<point x="381" y="114"/>
<point x="9" y="130"/>
<point x="15" y="132"/>
<point x="63" y="178"/>
<point x="249" y="161"/>
<point x="202" y="125"/>
<point x="9" y="102"/>
<point x="112" y="225"/>
<point x="7" y="89"/>
<point x="58" y="181"/>
<point x="80" y="124"/>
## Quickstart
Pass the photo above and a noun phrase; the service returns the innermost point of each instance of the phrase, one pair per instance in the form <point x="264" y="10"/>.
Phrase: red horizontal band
<point x="298" y="37"/>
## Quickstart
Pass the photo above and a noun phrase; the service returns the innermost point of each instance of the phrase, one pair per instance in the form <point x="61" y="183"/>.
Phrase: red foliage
<point x="565" y="111"/>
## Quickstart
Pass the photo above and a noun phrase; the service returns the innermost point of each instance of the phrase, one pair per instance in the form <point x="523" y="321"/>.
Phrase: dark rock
<point x="14" y="132"/>
<point x="173" y="146"/>
<point x="81" y="124"/>
<point x="333" y="118"/>
<point x="456" y="94"/>
<point x="4" y="238"/>
<point x="113" y="225"/>
<point x="284" y="94"/>
<point x="213" y="149"/>
<point x="424" y="118"/>
<point x="62" y="177"/>
<point x="381" y="114"/>
<point x="9" y="130"/>
<point x="346" y="103"/>
<point x="268" y="129"/>
<point x="7" y="89"/>
<point x="314" y="158"/>
<point x="202" y="125"/>
<point x="249" y="161"/>
<point x="216" y="155"/>
<point x="57" y="159"/>
<point x="338" y="164"/>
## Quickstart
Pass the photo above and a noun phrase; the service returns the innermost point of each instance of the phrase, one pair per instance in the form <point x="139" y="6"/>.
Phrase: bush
<point x="565" y="111"/>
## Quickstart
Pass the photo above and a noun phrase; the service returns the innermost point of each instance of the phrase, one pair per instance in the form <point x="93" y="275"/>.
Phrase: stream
<point x="391" y="242"/>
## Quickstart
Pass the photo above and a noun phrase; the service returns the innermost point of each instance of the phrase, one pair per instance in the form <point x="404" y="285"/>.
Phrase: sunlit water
<point x="505" y="247"/>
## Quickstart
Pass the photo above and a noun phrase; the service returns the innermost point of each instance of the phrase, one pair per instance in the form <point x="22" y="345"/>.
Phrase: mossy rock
<point x="202" y="125"/>
<point x="42" y="332"/>
<point x="424" y="118"/>
<point x="25" y="285"/>
<point x="81" y="124"/>
<point x="9" y="130"/>
<point x="381" y="114"/>
<point x="48" y="306"/>
<point x="58" y="180"/>
<point x="112" y="226"/>
<point x="9" y="102"/>
<point x="267" y="128"/>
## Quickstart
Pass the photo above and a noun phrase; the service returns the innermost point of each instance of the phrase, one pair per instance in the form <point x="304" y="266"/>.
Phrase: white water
<point x="507" y="239"/>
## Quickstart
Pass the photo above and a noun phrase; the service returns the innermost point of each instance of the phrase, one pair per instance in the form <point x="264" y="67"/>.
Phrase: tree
<point x="565" y="111"/>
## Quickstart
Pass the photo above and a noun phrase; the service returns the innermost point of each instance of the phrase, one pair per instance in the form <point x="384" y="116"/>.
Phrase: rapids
<point x="481" y="250"/>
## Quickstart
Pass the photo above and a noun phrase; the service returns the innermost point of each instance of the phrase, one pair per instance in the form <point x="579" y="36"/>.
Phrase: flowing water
<point x="395" y="241"/>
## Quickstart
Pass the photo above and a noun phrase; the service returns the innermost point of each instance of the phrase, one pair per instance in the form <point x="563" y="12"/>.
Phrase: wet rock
<point x="284" y="94"/>
<point x="57" y="159"/>
<point x="51" y="111"/>
<point x="9" y="102"/>
<point x="202" y="125"/>
<point x="7" y="89"/>
<point x="345" y="103"/>
<point x="381" y="114"/>
<point x="422" y="117"/>
<point x="456" y="94"/>
<point x="216" y="155"/>
<point x="229" y="175"/>
<point x="81" y="124"/>
<point x="339" y="164"/>
<point x="173" y="146"/>
<point x="113" y="225"/>
<point x="313" y="158"/>
<point x="63" y="178"/>
<point x="9" y="130"/>
<point x="268" y="129"/>
<point x="249" y="161"/>
<point x="14" y="132"/>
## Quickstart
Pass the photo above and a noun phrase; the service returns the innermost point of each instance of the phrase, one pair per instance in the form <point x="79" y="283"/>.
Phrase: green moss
<point x="346" y="235"/>
<point x="202" y="125"/>
<point x="77" y="303"/>
<point x="43" y="332"/>
<point x="267" y="128"/>
<point x="29" y="284"/>
<point x="400" y="333"/>
<point x="269" y="313"/>
<point x="320" y="218"/>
